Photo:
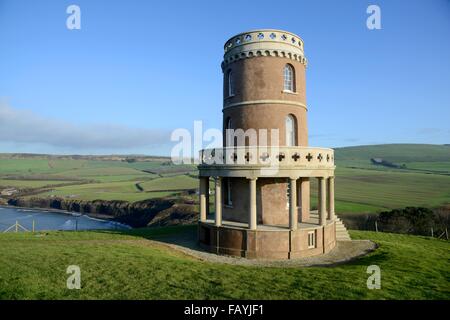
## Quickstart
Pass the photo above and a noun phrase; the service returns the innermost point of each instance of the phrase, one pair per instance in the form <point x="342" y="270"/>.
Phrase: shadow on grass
<point x="376" y="257"/>
<point x="182" y="235"/>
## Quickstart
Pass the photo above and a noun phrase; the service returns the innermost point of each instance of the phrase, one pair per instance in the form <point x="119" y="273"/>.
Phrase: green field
<point x="180" y="182"/>
<point x="397" y="153"/>
<point x="127" y="266"/>
<point x="119" y="190"/>
<point x="360" y="186"/>
<point x="32" y="183"/>
<point x="371" y="190"/>
<point x="96" y="179"/>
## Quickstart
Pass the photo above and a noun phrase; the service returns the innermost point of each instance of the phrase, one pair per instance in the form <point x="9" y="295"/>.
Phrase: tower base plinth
<point x="267" y="242"/>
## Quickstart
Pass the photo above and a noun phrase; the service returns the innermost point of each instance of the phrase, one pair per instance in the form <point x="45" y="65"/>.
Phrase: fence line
<point x="17" y="226"/>
<point x="443" y="235"/>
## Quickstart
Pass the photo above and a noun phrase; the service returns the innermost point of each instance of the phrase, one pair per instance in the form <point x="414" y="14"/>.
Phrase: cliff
<point x="154" y="212"/>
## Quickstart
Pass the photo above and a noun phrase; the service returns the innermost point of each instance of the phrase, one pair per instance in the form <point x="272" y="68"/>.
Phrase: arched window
<point x="291" y="133"/>
<point x="289" y="78"/>
<point x="230" y="83"/>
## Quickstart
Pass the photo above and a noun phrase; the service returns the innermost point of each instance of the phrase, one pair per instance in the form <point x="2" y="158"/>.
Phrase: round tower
<point x="264" y="83"/>
<point x="262" y="174"/>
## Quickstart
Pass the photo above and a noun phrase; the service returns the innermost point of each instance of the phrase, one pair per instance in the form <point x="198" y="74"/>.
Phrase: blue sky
<point x="139" y="69"/>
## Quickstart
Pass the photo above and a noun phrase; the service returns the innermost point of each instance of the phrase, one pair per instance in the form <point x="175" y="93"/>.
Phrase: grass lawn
<point x="126" y="266"/>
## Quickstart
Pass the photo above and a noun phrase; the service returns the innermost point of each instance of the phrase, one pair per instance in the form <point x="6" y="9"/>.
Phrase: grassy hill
<point x="396" y="152"/>
<point x="98" y="178"/>
<point x="128" y="266"/>
<point x="422" y="157"/>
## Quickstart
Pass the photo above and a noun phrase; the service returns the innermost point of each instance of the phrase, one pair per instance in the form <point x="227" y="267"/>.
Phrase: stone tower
<point x="262" y="175"/>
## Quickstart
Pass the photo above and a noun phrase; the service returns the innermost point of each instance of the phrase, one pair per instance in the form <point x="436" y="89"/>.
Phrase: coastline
<point x="94" y="217"/>
<point x="154" y="212"/>
<point x="41" y="209"/>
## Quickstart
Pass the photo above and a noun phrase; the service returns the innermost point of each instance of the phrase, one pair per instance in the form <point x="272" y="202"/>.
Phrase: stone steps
<point x="341" y="231"/>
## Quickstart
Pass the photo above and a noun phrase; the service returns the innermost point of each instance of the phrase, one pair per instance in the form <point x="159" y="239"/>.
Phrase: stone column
<point x="303" y="199"/>
<point x="252" y="219"/>
<point x="331" y="214"/>
<point x="203" y="198"/>
<point x="207" y="196"/>
<point x="322" y="205"/>
<point x="218" y="201"/>
<point x="293" y="213"/>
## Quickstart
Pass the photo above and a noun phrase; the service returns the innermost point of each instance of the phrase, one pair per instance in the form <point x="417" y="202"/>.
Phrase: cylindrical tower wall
<point x="255" y="95"/>
<point x="264" y="85"/>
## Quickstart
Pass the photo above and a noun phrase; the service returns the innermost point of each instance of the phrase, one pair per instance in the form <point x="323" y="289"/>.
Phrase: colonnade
<point x="325" y="201"/>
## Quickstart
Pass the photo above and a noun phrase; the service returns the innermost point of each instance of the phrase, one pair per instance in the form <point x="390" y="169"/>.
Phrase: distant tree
<point x="414" y="220"/>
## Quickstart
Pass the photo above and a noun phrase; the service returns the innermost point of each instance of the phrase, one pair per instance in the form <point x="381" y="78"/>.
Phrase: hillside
<point x="361" y="186"/>
<point x="426" y="158"/>
<point x="112" y="157"/>
<point x="396" y="152"/>
<point x="128" y="266"/>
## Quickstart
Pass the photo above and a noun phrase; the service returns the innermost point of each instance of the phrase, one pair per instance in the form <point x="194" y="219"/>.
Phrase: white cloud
<point x="26" y="127"/>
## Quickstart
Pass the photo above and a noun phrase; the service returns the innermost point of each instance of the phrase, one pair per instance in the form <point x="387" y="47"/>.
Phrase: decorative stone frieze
<point x="264" y="42"/>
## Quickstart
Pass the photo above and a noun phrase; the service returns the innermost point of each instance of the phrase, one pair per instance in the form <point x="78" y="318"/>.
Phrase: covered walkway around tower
<point x="312" y="223"/>
<point x="324" y="213"/>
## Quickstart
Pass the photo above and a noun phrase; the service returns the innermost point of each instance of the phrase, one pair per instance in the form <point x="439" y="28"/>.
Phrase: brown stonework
<point x="265" y="244"/>
<point x="260" y="79"/>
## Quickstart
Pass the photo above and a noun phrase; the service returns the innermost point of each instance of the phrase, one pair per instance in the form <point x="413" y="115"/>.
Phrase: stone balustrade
<point x="301" y="157"/>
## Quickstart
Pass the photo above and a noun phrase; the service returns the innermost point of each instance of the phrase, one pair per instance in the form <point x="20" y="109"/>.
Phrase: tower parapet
<point x="264" y="42"/>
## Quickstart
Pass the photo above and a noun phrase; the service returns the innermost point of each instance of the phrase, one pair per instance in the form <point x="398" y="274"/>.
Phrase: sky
<point x="137" y="70"/>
